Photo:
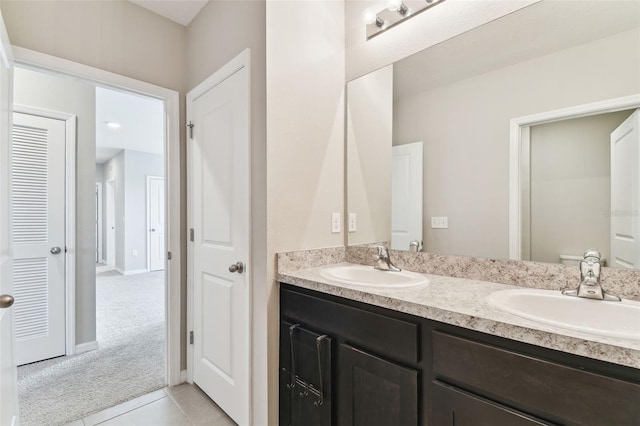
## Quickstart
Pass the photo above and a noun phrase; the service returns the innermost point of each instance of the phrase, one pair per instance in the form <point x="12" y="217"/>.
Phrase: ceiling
<point x="180" y="11"/>
<point x="141" y="122"/>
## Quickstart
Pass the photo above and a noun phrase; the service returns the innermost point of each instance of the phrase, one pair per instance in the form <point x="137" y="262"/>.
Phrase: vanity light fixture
<point x="395" y="12"/>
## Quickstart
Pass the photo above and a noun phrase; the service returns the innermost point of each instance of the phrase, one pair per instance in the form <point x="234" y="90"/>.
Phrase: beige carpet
<point x="130" y="361"/>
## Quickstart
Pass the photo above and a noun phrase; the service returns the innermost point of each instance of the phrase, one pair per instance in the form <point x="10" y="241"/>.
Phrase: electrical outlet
<point x="439" y="222"/>
<point x="335" y="223"/>
<point x="352" y="222"/>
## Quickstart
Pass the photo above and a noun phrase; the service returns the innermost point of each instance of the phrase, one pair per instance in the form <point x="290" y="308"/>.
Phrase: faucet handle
<point x="383" y="251"/>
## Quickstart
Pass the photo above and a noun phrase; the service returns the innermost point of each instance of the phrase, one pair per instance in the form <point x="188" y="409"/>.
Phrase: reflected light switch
<point x="439" y="222"/>
<point x="352" y="222"/>
<point x="335" y="223"/>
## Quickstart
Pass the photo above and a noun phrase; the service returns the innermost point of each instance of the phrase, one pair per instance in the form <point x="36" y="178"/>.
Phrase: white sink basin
<point x="611" y="319"/>
<point x="367" y="276"/>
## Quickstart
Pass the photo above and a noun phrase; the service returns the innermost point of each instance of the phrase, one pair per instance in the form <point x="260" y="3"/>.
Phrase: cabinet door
<point x="305" y="379"/>
<point x="454" y="407"/>
<point x="375" y="392"/>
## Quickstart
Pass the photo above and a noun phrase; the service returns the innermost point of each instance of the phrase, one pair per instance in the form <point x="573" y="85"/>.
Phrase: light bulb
<point x="397" y="6"/>
<point x="371" y="18"/>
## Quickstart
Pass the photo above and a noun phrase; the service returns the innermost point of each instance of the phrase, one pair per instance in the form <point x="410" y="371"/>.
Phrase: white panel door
<point x="406" y="195"/>
<point x="155" y="225"/>
<point x="220" y="218"/>
<point x="38" y="231"/>
<point x="625" y="194"/>
<point x="8" y="375"/>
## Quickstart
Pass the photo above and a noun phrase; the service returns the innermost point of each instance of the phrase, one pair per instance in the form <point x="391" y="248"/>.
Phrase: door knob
<point x="6" y="301"/>
<point x="56" y="250"/>
<point x="237" y="267"/>
<point x="153" y="229"/>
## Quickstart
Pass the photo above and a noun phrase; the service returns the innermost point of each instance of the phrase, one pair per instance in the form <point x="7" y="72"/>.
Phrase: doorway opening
<point x="119" y="322"/>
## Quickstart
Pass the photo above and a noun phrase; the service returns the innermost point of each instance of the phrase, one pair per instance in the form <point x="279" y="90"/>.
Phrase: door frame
<point x="519" y="138"/>
<point x="241" y="61"/>
<point x="110" y="207"/>
<point x="31" y="59"/>
<point x="99" y="236"/>
<point x="149" y="178"/>
<point x="69" y="216"/>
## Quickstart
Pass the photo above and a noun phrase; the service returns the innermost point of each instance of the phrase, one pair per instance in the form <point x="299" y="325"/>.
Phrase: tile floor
<point x="184" y="405"/>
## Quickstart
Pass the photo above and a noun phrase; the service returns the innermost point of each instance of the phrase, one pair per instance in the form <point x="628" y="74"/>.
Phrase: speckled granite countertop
<point x="461" y="302"/>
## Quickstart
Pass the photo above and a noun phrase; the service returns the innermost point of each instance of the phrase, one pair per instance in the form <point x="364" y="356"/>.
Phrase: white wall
<point x="465" y="128"/>
<point x="62" y="94"/>
<point x="571" y="186"/>
<point x="369" y="141"/>
<point x="137" y="166"/>
<point x="431" y="27"/>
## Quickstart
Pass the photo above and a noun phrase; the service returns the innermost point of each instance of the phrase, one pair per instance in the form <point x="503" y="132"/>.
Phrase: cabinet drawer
<point x="394" y="338"/>
<point x="534" y="385"/>
<point x="454" y="407"/>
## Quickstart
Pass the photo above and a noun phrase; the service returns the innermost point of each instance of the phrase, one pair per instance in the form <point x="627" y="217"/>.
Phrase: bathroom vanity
<point x="439" y="355"/>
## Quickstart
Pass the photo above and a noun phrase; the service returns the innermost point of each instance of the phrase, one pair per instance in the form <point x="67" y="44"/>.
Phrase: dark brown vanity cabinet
<point x="387" y="368"/>
<point x="375" y="377"/>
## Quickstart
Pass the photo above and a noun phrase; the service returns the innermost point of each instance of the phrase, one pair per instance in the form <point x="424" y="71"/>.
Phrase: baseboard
<point x="136" y="271"/>
<point x="183" y="376"/>
<point x="105" y="268"/>
<point x="131" y="272"/>
<point x="86" y="347"/>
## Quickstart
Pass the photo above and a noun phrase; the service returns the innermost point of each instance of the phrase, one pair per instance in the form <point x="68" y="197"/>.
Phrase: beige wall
<point x="220" y="32"/>
<point x="369" y="136"/>
<point x="305" y="139"/>
<point x="465" y="127"/>
<point x="62" y="94"/>
<point x="424" y="30"/>
<point x="112" y="35"/>
<point x="571" y="186"/>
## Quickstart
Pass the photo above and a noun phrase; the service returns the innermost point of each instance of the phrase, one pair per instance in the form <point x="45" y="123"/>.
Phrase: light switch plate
<point x="335" y="223"/>
<point x="352" y="222"/>
<point x="439" y="222"/>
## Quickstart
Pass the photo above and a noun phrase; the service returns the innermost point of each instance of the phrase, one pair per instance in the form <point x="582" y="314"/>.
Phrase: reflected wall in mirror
<point x="459" y="97"/>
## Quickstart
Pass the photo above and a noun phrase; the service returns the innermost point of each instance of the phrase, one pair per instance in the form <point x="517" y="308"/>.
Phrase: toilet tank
<point x="571" y="259"/>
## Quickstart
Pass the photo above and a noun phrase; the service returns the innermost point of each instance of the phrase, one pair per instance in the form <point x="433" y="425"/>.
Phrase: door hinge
<point x="168" y="255"/>
<point x="191" y="234"/>
<point x="191" y="337"/>
<point x="190" y="126"/>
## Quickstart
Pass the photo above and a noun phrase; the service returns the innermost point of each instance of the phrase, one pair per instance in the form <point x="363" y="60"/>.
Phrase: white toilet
<point x="570" y="259"/>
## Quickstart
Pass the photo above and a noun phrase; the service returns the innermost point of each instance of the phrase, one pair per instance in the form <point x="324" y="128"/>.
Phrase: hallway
<point x="129" y="362"/>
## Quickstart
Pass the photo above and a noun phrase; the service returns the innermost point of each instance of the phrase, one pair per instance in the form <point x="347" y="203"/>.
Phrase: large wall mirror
<point x="434" y="156"/>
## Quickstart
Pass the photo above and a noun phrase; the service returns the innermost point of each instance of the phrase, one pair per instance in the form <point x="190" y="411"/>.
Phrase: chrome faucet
<point x="589" y="286"/>
<point x="382" y="260"/>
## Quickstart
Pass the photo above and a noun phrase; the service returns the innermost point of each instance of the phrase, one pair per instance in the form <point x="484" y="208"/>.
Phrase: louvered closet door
<point x="37" y="189"/>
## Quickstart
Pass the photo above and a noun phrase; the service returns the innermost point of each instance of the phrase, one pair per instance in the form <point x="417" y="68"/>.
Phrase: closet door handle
<point x="56" y="250"/>
<point x="6" y="301"/>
